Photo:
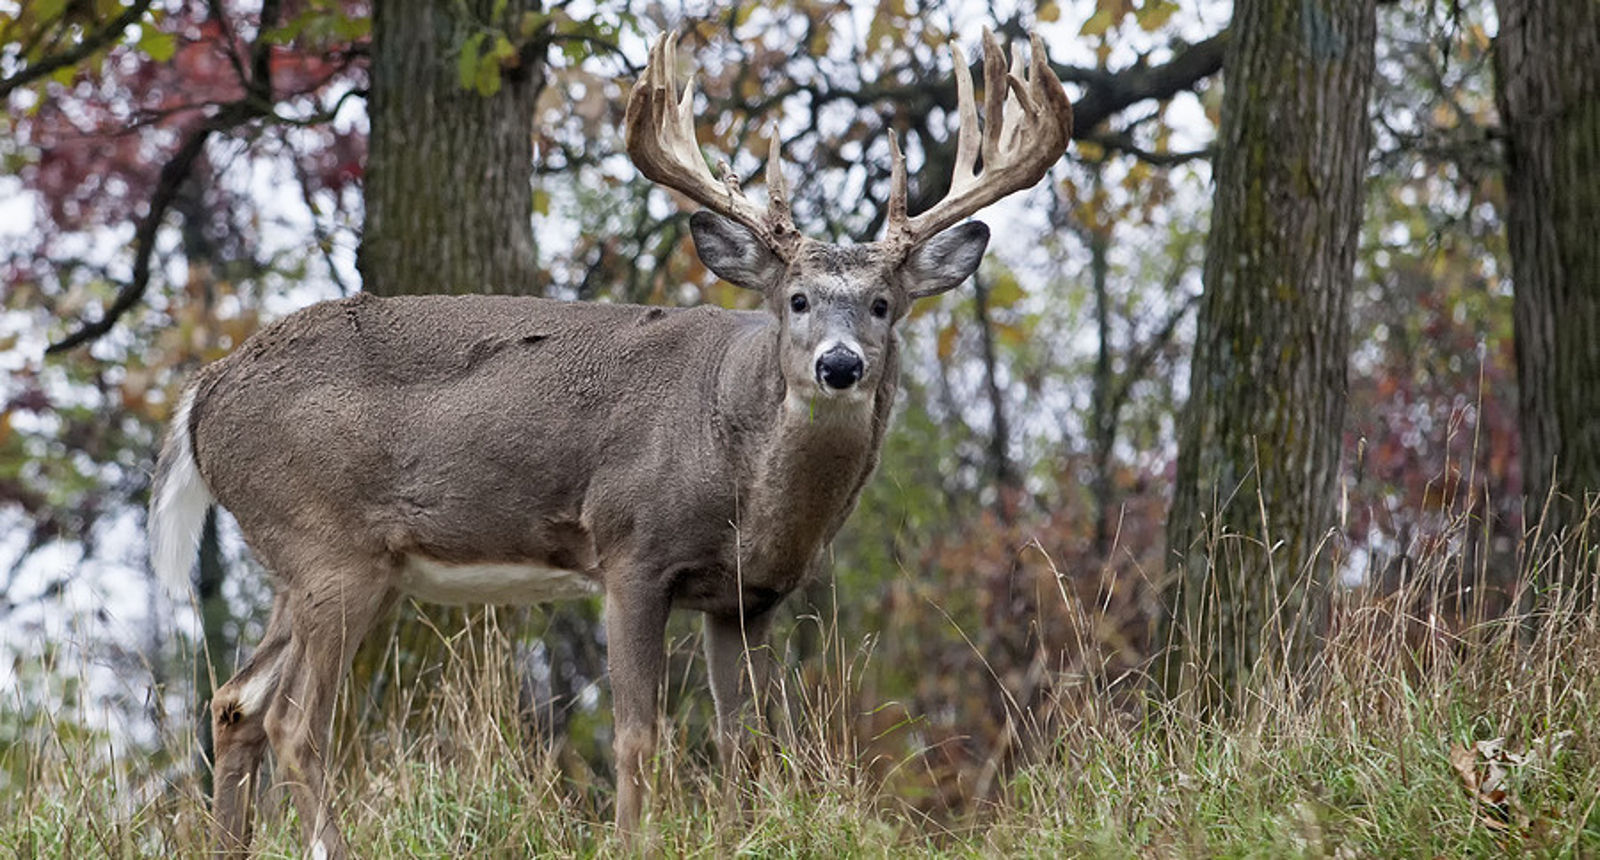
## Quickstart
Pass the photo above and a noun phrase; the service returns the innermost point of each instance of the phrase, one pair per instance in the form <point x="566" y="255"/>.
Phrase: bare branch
<point x="173" y="174"/>
<point x="1124" y="143"/>
<point x="255" y="103"/>
<point x="1113" y="91"/>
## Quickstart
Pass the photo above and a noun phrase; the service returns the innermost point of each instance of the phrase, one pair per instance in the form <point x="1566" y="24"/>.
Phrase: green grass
<point x="1374" y="752"/>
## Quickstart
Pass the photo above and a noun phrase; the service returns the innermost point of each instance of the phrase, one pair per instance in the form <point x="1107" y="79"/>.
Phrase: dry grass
<point x="1434" y="723"/>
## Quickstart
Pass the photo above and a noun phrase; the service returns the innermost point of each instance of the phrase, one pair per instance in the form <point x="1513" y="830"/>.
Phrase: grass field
<point x="1424" y="730"/>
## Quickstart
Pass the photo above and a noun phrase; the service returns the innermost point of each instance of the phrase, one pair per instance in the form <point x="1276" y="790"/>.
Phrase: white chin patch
<point x="434" y="581"/>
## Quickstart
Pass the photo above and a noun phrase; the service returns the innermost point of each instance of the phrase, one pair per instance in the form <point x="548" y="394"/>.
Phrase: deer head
<point x="837" y="305"/>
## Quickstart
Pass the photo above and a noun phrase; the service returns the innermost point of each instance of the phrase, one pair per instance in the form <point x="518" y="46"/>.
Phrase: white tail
<point x="179" y="499"/>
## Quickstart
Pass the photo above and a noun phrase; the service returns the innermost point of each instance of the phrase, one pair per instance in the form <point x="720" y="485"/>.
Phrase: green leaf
<point x="155" y="44"/>
<point x="1155" y="13"/>
<point x="529" y="22"/>
<point x="503" y="50"/>
<point x="1098" y="23"/>
<point x="467" y="63"/>
<point x="487" y="79"/>
<point x="352" y="27"/>
<point x="1005" y="292"/>
<point x="48" y="10"/>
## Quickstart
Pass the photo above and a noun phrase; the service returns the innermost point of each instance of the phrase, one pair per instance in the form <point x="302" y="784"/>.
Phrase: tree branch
<point x="91" y="43"/>
<point x="256" y="102"/>
<point x="1124" y="143"/>
<point x="173" y="173"/>
<point x="1112" y="91"/>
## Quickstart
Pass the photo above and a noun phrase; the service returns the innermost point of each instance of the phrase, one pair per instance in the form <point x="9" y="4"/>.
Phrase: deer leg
<point x="740" y="664"/>
<point x="329" y="623"/>
<point x="239" y="735"/>
<point x="636" y="632"/>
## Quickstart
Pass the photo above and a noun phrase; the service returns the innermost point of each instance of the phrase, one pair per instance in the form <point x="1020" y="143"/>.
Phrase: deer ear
<point x="943" y="262"/>
<point x="731" y="250"/>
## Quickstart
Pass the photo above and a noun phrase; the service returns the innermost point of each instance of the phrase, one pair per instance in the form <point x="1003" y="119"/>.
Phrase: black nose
<point x="839" y="368"/>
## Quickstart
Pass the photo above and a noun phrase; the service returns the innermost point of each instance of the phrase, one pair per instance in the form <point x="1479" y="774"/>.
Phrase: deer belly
<point x="435" y="581"/>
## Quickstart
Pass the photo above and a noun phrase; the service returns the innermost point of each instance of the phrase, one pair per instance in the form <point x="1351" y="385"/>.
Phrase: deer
<point x="516" y="450"/>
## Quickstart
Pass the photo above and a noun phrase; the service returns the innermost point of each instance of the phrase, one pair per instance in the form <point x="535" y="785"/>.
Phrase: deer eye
<point x="880" y="308"/>
<point x="798" y="303"/>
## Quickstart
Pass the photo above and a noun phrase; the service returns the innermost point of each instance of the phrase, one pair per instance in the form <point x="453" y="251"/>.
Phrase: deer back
<point x="463" y="426"/>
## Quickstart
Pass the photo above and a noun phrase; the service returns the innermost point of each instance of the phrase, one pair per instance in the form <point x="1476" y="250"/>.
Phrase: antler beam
<point x="659" y="130"/>
<point x="1027" y="126"/>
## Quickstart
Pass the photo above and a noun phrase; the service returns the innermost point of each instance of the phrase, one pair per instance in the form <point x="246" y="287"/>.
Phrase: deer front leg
<point x="636" y="656"/>
<point x="239" y="734"/>
<point x="740" y="664"/>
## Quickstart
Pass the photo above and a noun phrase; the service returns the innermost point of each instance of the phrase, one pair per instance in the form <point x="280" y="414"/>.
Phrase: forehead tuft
<point x="842" y="264"/>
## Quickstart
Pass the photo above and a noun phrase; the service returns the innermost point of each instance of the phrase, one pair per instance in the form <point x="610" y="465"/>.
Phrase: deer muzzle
<point x="839" y="367"/>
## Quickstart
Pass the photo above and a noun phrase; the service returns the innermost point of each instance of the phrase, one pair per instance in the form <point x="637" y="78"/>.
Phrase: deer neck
<point x="803" y="457"/>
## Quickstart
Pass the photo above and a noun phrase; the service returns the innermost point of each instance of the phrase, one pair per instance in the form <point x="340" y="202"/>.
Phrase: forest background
<point x="1259" y="373"/>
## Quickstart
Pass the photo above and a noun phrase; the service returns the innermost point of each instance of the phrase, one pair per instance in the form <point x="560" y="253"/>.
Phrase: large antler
<point x="659" y="128"/>
<point x="1027" y="125"/>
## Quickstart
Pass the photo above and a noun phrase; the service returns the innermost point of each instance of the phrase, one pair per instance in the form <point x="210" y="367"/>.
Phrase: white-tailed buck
<point x="480" y="449"/>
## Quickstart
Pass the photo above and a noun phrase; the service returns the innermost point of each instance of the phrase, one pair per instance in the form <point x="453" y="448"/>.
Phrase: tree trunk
<point x="1260" y="436"/>
<point x="1548" y="77"/>
<point x="1102" y="413"/>
<point x="1007" y="482"/>
<point x="449" y="207"/>
<point x="448" y="188"/>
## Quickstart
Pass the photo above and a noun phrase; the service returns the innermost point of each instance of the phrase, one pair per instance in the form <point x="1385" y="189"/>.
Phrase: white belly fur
<point x="437" y="582"/>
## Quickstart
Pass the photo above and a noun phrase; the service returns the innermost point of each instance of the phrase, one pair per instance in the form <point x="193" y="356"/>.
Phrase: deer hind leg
<point x="239" y="735"/>
<point x="331" y="617"/>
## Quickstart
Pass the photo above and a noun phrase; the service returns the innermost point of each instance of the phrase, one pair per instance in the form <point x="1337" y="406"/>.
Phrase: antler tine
<point x="777" y="188"/>
<point x="1042" y="78"/>
<point x="1027" y="125"/>
<point x="994" y="95"/>
<point x="967" y="139"/>
<point x="659" y="131"/>
<point x="897" y="186"/>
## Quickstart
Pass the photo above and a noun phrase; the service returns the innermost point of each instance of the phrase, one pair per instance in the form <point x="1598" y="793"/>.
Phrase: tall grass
<point x="1440" y="718"/>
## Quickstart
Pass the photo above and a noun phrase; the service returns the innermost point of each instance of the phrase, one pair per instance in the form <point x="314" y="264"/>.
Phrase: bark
<point x="448" y="187"/>
<point x="1103" y="413"/>
<point x="1259" y="439"/>
<point x="449" y="208"/>
<point x="1548" y="82"/>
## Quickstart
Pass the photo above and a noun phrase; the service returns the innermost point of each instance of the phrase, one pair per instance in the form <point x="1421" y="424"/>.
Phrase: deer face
<point x="837" y="305"/>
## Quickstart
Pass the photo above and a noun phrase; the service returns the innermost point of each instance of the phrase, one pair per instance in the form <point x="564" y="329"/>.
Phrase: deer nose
<point x="839" y="368"/>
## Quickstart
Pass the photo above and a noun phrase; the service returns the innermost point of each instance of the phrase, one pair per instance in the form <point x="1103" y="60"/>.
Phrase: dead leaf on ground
<point x="1485" y="769"/>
